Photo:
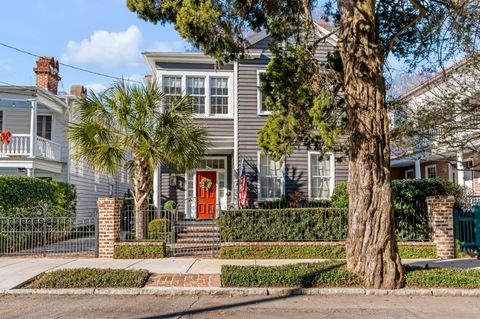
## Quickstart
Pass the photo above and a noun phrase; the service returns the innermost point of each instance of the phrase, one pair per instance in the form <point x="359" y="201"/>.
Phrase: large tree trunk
<point x="372" y="251"/>
<point x="142" y="188"/>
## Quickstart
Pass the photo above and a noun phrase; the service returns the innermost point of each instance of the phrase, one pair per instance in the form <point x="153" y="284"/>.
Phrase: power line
<point x="6" y="83"/>
<point x="69" y="65"/>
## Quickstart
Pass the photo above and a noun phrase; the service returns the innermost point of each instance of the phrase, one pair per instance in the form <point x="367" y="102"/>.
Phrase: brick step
<point x="197" y="245"/>
<point x="199" y="229"/>
<point x="199" y="240"/>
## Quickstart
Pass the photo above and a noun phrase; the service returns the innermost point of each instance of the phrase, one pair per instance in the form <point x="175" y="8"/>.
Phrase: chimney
<point x="78" y="90"/>
<point x="47" y="73"/>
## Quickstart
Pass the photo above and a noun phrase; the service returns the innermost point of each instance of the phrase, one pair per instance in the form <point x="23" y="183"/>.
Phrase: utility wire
<point x="6" y="83"/>
<point x="68" y="65"/>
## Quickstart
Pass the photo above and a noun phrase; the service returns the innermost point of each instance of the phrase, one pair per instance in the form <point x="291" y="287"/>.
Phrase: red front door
<point x="206" y="194"/>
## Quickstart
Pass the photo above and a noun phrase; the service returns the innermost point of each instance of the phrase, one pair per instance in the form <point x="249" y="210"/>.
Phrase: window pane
<point x="320" y="177"/>
<point x="271" y="181"/>
<point x="218" y="95"/>
<point x="172" y="88"/>
<point x="196" y="89"/>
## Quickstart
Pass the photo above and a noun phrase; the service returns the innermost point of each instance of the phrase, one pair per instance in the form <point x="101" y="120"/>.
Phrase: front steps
<point x="197" y="238"/>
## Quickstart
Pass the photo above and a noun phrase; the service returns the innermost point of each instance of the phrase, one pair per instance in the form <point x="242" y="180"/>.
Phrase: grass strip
<point x="90" y="278"/>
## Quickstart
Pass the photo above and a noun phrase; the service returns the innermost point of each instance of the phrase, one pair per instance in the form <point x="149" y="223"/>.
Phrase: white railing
<point x="19" y="145"/>
<point x="47" y="149"/>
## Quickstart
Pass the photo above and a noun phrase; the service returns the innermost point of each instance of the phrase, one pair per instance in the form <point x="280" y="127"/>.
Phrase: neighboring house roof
<point x="424" y="86"/>
<point x="41" y="94"/>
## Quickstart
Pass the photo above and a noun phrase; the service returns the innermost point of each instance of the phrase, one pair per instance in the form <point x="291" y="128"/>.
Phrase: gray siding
<point x="217" y="127"/>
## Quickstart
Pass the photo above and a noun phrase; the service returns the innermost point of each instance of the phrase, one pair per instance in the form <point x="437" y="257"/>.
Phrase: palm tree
<point x="126" y="126"/>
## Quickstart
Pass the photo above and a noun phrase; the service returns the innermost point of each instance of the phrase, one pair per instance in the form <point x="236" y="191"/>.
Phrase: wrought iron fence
<point x="467" y="225"/>
<point x="411" y="221"/>
<point x="158" y="224"/>
<point x="52" y="236"/>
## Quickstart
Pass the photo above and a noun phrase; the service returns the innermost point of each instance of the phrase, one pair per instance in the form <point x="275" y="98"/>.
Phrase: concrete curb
<point x="196" y="291"/>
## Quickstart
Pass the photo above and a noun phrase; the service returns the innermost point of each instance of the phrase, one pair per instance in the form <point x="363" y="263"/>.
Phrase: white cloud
<point x="96" y="87"/>
<point x="170" y="46"/>
<point x="107" y="49"/>
<point x="134" y="77"/>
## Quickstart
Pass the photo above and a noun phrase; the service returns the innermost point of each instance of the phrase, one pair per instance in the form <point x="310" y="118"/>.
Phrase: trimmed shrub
<point x="20" y="195"/>
<point x="170" y="205"/>
<point x="339" y="197"/>
<point x="159" y="229"/>
<point x="442" y="277"/>
<point x="139" y="251"/>
<point x="326" y="274"/>
<point x="291" y="224"/>
<point x="90" y="278"/>
<point x="314" y="252"/>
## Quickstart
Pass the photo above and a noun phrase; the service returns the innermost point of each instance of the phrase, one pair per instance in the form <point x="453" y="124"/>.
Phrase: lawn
<point x="90" y="278"/>
<point x="335" y="274"/>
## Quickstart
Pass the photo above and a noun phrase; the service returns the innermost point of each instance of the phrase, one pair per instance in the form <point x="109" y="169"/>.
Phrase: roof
<point x="36" y="92"/>
<point x="439" y="75"/>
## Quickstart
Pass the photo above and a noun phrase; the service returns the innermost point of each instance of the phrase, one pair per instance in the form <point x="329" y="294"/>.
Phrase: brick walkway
<point x="183" y="280"/>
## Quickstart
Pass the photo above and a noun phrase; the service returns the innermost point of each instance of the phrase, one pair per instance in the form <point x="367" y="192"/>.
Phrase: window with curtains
<point x="270" y="178"/>
<point x="218" y="95"/>
<point x="321" y="176"/>
<point x="172" y="88"/>
<point x="44" y="126"/>
<point x="196" y="89"/>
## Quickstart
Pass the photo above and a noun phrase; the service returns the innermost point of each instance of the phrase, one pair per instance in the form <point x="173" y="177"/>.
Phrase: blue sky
<point x="101" y="35"/>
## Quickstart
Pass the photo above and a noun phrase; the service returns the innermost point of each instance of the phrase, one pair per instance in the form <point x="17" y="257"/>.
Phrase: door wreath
<point x="205" y="183"/>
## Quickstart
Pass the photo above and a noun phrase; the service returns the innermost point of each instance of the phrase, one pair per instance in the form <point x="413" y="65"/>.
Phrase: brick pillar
<point x="440" y="214"/>
<point x="108" y="225"/>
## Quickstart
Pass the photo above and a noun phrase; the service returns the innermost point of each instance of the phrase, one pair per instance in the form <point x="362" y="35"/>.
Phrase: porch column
<point x="30" y="172"/>
<point x="418" y="171"/>
<point x="460" y="171"/>
<point x="33" y="128"/>
<point x="156" y="187"/>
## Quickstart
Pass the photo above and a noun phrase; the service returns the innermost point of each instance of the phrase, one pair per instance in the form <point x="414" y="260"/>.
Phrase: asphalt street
<point x="359" y="307"/>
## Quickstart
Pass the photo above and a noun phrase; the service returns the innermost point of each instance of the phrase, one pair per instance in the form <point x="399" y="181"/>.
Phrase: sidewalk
<point x="183" y="272"/>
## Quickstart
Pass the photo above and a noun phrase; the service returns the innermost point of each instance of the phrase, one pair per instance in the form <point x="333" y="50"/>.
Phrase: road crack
<point x="189" y="307"/>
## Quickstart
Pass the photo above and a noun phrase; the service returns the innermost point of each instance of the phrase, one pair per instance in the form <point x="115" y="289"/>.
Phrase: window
<point x="196" y="89"/>
<point x="218" y="95"/>
<point x="321" y="176"/>
<point x="262" y="108"/>
<point x="270" y="178"/>
<point x="1" y="121"/>
<point x="172" y="88"/>
<point x="96" y="176"/>
<point x="44" y="126"/>
<point x="431" y="171"/>
<point x="410" y="174"/>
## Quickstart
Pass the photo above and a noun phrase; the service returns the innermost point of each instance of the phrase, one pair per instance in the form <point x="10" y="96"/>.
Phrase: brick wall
<point x="108" y="225"/>
<point x="440" y="214"/>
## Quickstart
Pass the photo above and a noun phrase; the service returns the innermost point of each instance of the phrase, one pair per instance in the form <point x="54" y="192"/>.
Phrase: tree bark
<point x="142" y="189"/>
<point x="372" y="251"/>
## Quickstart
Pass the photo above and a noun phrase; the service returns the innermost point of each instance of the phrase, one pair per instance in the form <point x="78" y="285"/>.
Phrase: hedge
<point x="335" y="274"/>
<point x="313" y="252"/>
<point x="20" y="195"/>
<point x="90" y="278"/>
<point x="139" y="251"/>
<point x="290" y="224"/>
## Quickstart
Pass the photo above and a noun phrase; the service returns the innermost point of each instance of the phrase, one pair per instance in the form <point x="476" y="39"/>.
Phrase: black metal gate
<point x="46" y="235"/>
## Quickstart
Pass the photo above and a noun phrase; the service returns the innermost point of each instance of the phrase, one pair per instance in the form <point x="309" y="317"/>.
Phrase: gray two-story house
<point x="228" y="103"/>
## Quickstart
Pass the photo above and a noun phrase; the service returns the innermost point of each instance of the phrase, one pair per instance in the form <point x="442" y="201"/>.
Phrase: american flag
<point x="242" y="186"/>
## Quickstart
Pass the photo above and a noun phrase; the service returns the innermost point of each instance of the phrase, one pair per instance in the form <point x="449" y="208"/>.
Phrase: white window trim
<point x="412" y="170"/>
<point x="259" y="95"/>
<point x="222" y="201"/>
<point x="430" y="166"/>
<point x="207" y="75"/>
<point x="282" y="188"/>
<point x="53" y="123"/>
<point x="332" y="177"/>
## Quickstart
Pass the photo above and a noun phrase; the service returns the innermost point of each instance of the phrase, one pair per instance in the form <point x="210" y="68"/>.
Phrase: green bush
<point x="292" y="224"/>
<point x="283" y="252"/>
<point x="170" y="205"/>
<point x="326" y="274"/>
<point x="339" y="197"/>
<point x="159" y="229"/>
<point x="20" y="196"/>
<point x="90" y="278"/>
<point x="313" y="252"/>
<point x="139" y="251"/>
<point x="335" y="274"/>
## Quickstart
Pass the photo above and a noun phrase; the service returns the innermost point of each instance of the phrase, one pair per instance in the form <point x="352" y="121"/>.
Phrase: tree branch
<point x="423" y="12"/>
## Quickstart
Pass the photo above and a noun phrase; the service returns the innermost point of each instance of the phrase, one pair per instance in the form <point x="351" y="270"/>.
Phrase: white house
<point x="33" y="123"/>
